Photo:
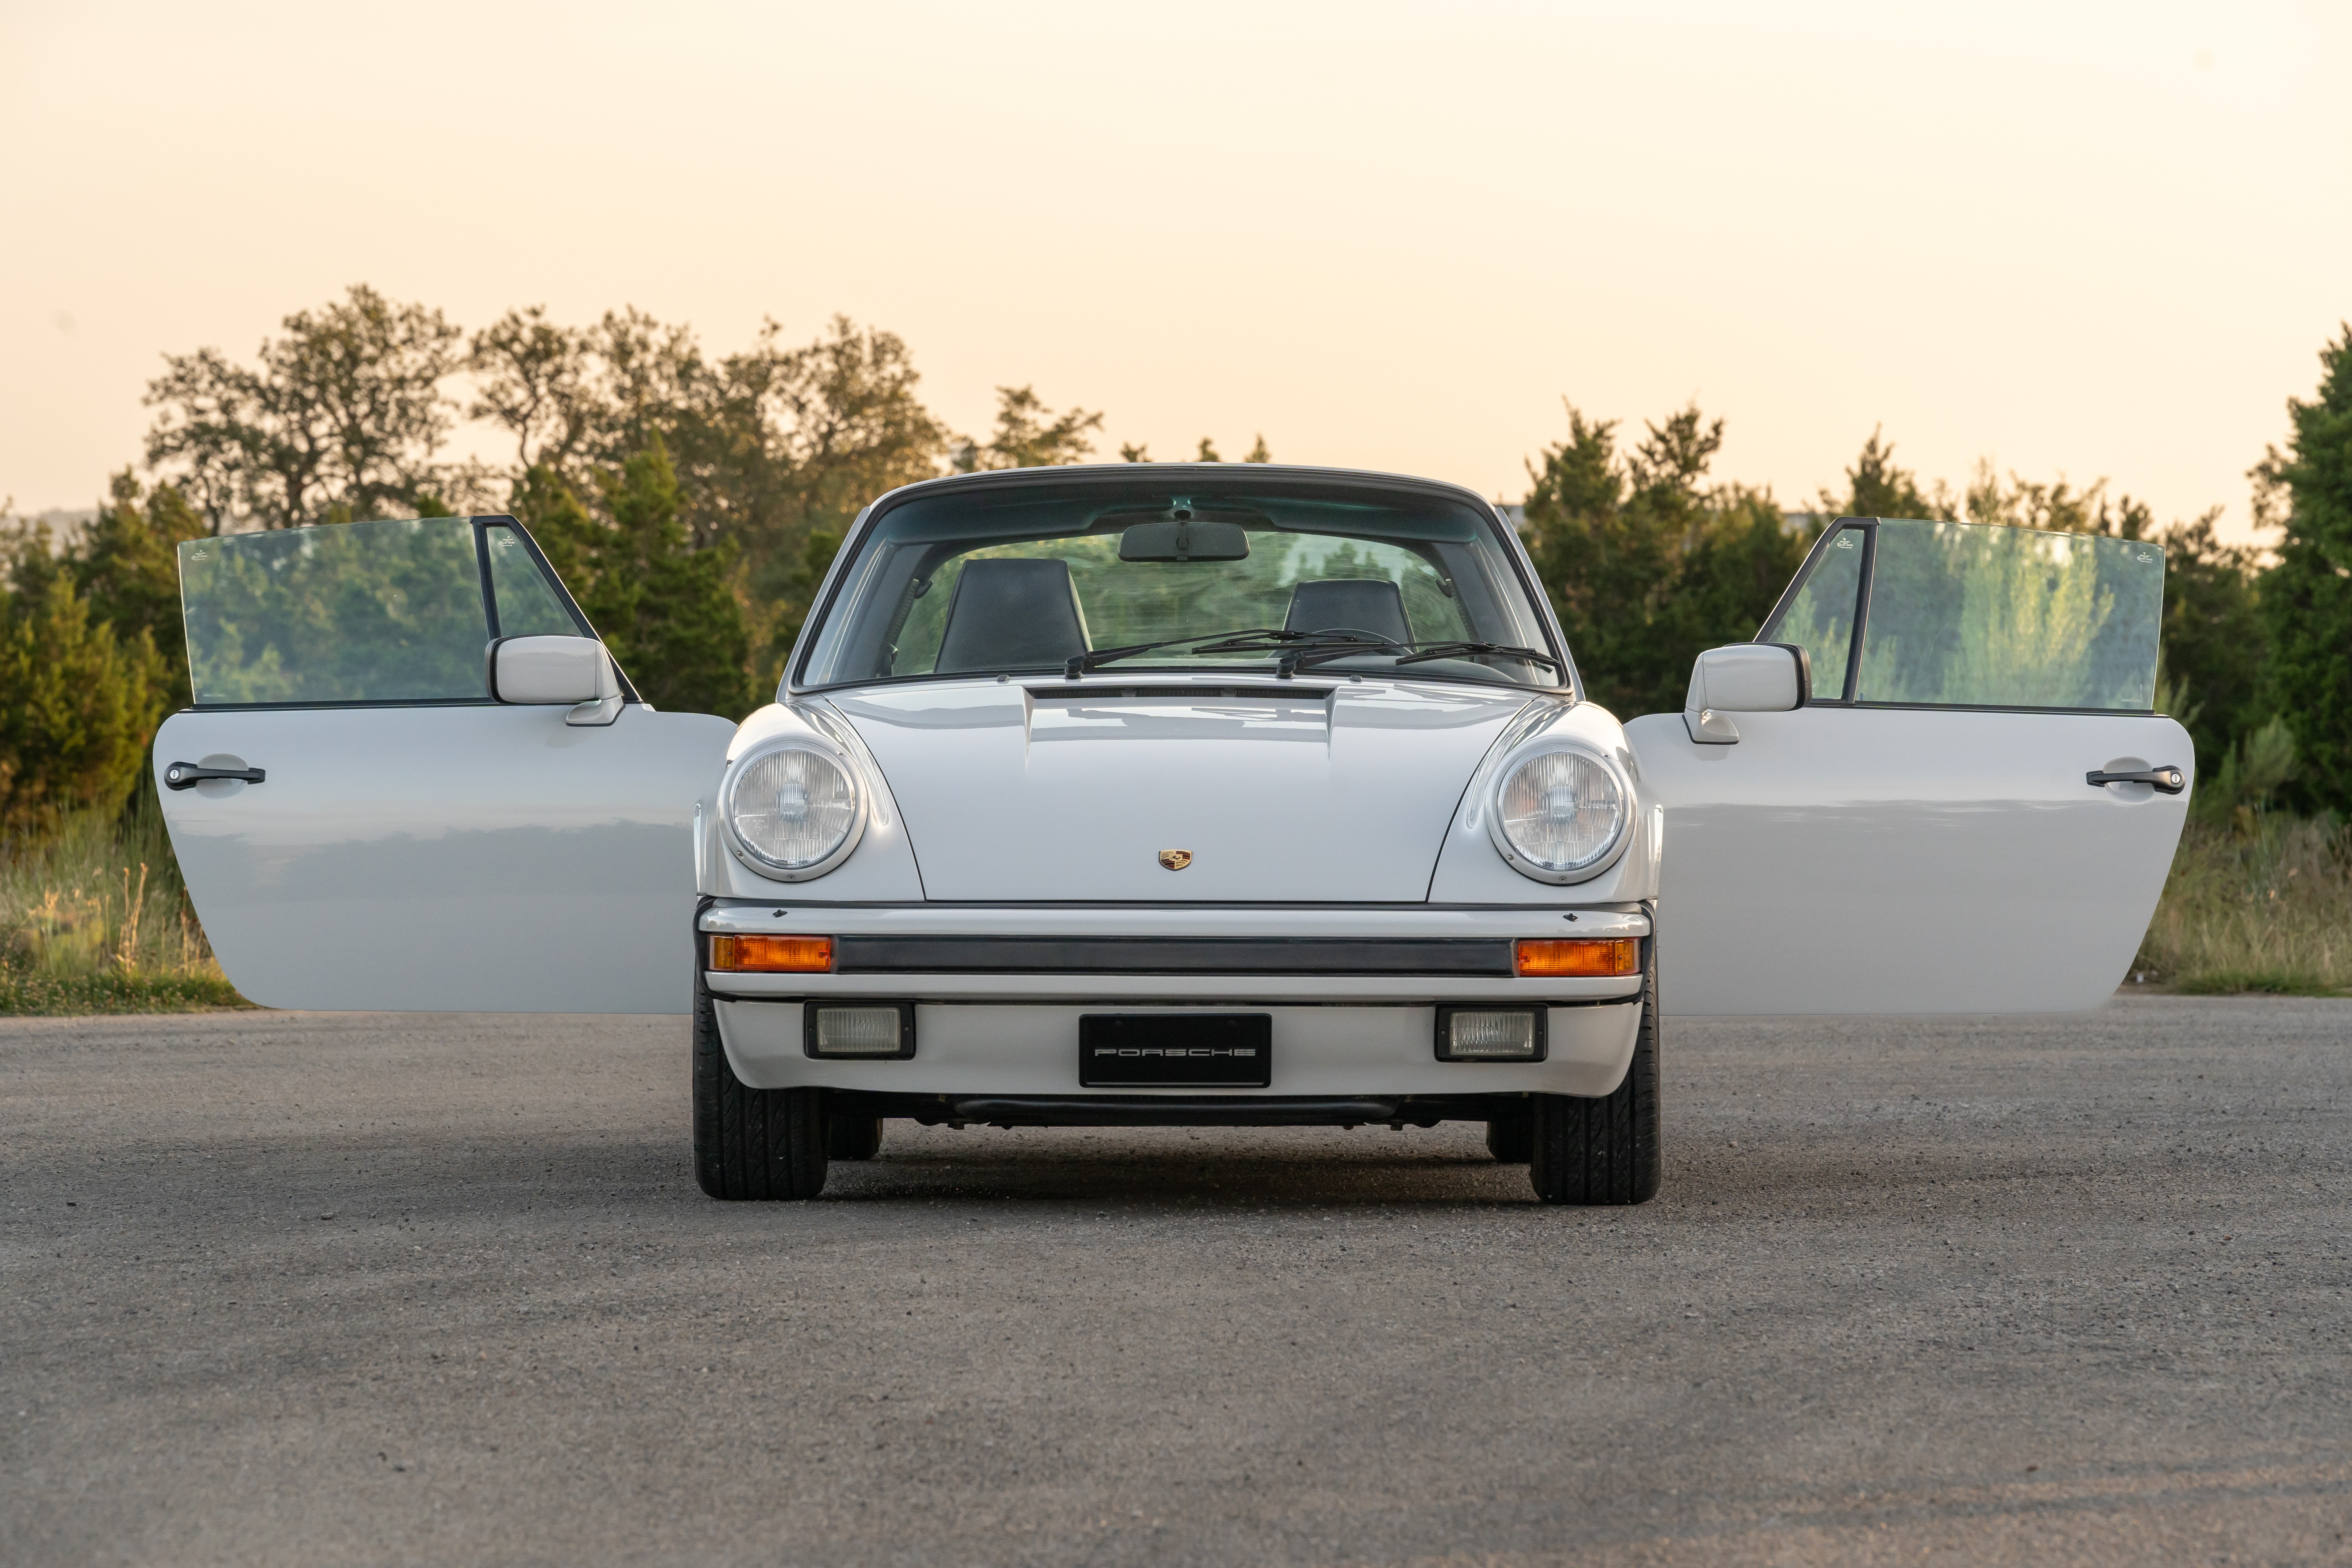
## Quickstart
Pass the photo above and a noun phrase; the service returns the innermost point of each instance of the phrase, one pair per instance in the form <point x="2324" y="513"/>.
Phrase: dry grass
<point x="2262" y="904"/>
<point x="95" y="920"/>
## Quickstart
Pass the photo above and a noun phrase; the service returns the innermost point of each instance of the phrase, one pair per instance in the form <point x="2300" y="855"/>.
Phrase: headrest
<point x="1008" y="614"/>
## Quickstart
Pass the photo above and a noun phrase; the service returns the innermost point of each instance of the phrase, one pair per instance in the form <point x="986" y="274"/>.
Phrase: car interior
<point x="1371" y="604"/>
<point x="1017" y="614"/>
<point x="1011" y="615"/>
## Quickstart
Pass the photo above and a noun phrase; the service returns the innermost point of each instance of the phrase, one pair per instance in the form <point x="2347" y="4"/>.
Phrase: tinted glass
<point x="528" y="604"/>
<point x="346" y="613"/>
<point x="1414" y="569"/>
<point x="1820" y="619"/>
<point x="2007" y="618"/>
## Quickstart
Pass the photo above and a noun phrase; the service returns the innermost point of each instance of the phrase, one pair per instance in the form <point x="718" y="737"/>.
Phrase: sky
<point x="2083" y="240"/>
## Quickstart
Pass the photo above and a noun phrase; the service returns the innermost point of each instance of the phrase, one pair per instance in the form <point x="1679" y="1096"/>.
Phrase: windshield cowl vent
<point x="1201" y="691"/>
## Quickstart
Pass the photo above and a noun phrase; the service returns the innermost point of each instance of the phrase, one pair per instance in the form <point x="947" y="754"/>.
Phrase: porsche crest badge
<point x="1175" y="859"/>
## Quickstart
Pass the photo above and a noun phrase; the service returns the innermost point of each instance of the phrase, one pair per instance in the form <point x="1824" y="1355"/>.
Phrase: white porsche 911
<point x="1175" y="794"/>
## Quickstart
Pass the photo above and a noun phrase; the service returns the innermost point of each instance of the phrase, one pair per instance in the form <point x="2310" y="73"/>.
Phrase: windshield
<point x="1187" y="572"/>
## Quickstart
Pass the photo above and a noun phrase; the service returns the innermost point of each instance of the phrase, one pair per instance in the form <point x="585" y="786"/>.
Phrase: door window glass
<point x="1970" y="614"/>
<point x="354" y="612"/>
<point x="528" y="605"/>
<point x="1820" y="619"/>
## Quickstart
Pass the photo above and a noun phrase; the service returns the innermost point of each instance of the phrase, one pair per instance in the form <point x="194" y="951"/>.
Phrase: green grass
<point x="2259" y="906"/>
<point x="27" y="993"/>
<point x="94" y="918"/>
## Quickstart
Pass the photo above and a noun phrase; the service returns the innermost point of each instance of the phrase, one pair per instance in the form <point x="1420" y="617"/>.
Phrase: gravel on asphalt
<point x="373" y="1289"/>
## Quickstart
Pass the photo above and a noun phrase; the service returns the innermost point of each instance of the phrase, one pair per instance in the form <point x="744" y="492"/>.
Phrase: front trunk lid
<point x="1271" y="792"/>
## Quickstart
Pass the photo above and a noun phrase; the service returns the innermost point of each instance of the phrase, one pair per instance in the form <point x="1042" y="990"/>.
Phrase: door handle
<point x="187" y="775"/>
<point x="2167" y="781"/>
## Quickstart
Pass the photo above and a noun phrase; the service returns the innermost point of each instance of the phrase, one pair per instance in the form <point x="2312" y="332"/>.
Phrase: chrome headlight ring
<point x="1560" y="812"/>
<point x="793" y="808"/>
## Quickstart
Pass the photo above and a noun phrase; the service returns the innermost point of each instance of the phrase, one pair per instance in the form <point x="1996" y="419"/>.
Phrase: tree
<point x="77" y="708"/>
<point x="1601" y="573"/>
<point x="127" y="565"/>
<point x="573" y="542"/>
<point x="2057" y="508"/>
<point x="344" y="411"/>
<point x="1208" y="453"/>
<point x="1730" y="575"/>
<point x="1876" y="487"/>
<point x="1029" y="435"/>
<point x="2215" y="641"/>
<point x="1645" y="562"/>
<point x="799" y="589"/>
<point x="665" y="608"/>
<point x="771" y="447"/>
<point x="2307" y="596"/>
<point x="848" y="427"/>
<point x="530" y="375"/>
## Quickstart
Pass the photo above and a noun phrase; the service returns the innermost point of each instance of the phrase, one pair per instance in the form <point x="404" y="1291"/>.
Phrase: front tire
<point x="751" y="1143"/>
<point x="1598" y="1152"/>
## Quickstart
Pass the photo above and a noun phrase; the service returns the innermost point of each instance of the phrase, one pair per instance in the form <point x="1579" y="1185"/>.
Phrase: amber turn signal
<point x="1552" y="958"/>
<point x="772" y="954"/>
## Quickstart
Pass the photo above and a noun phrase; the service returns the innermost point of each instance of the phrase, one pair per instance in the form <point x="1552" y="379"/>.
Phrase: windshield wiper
<point x="1457" y="650"/>
<point x="1304" y="650"/>
<point x="1248" y="639"/>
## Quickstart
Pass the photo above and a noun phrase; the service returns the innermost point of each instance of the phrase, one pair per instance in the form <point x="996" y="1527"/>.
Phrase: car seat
<point x="1356" y="603"/>
<point x="1009" y="614"/>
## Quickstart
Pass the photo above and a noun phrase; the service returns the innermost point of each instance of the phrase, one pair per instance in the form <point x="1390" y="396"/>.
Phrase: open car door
<point x="1965" y="803"/>
<point x="363" y="823"/>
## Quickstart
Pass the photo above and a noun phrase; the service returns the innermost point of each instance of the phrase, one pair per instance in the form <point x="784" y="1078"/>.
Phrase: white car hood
<point x="1338" y="794"/>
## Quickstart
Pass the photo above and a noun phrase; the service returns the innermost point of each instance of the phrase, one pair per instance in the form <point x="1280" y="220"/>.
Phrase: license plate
<point x="1176" y="1050"/>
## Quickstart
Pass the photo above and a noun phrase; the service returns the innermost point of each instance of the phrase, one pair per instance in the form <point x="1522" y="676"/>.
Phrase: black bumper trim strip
<point x="1169" y="955"/>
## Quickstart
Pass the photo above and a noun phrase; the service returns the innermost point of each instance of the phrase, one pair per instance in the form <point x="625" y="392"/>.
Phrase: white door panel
<point x="447" y="858"/>
<point x="1895" y="861"/>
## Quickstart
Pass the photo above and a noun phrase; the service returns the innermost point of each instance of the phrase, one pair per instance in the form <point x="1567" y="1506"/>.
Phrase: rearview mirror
<point x="1184" y="539"/>
<point x="550" y="670"/>
<point x="1746" y="678"/>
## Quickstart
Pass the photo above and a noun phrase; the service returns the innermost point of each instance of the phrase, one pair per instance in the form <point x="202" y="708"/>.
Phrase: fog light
<point x="772" y="954"/>
<point x="1490" y="1033"/>
<point x="1553" y="958"/>
<point x="867" y="1029"/>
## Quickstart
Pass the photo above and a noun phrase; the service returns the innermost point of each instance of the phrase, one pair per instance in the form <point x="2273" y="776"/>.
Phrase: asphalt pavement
<point x="324" y="1288"/>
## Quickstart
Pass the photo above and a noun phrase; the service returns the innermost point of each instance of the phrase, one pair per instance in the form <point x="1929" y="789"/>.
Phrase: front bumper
<point x="983" y="1033"/>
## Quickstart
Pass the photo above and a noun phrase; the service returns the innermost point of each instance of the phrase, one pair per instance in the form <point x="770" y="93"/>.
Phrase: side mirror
<point x="549" y="671"/>
<point x="1746" y="678"/>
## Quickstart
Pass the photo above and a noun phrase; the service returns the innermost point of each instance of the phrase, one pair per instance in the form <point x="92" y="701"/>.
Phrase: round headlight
<point x="1558" y="815"/>
<point x="794" y="809"/>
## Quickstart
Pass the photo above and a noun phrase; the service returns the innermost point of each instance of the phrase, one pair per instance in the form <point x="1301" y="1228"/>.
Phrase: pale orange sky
<point x="2095" y="239"/>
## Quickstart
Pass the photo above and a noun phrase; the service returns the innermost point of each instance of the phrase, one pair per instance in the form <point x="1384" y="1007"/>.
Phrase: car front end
<point x="1018" y="866"/>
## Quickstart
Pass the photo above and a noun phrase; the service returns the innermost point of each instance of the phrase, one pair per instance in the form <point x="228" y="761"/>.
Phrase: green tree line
<point x="693" y="502"/>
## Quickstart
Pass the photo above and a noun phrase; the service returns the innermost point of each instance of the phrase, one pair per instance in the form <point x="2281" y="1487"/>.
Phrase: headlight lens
<point x="791" y="808"/>
<point x="1561" y="811"/>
